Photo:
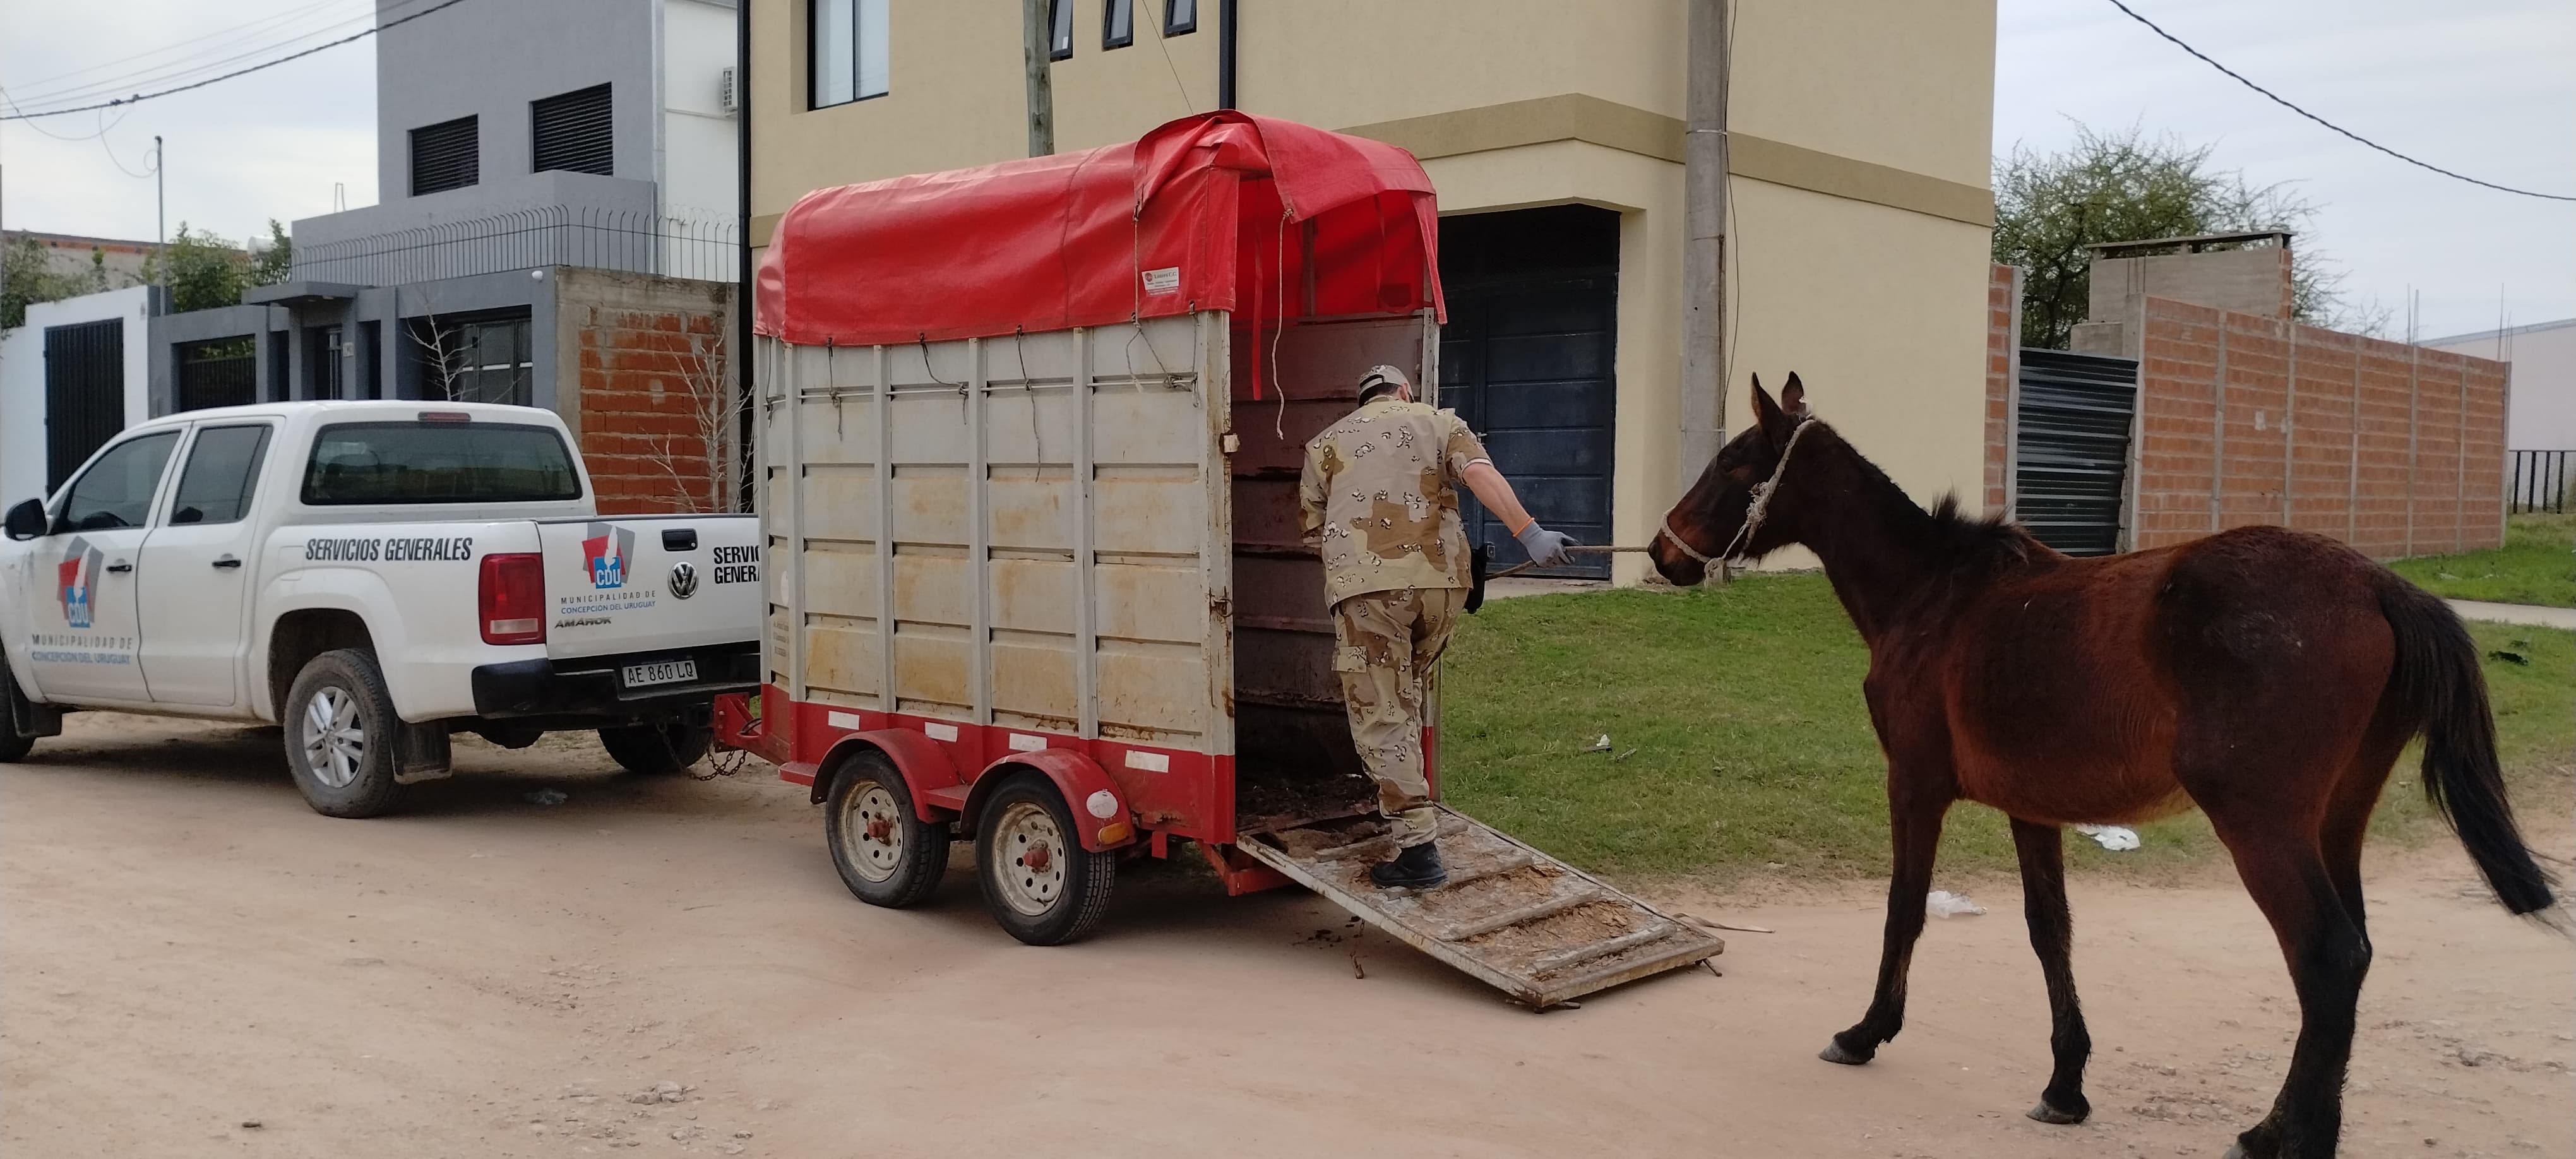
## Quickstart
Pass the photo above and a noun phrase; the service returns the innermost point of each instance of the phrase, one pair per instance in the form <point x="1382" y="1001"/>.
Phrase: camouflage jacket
<point x="1379" y="499"/>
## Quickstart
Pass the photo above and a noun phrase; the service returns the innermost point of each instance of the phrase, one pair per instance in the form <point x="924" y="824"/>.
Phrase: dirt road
<point x="189" y="950"/>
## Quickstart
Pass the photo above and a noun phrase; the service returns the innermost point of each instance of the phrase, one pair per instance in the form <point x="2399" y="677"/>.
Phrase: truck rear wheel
<point x="1039" y="882"/>
<point x="884" y="851"/>
<point x="665" y="746"/>
<point x="340" y="725"/>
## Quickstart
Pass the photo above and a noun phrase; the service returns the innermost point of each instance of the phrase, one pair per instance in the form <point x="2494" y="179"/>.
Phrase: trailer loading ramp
<point x="1534" y="927"/>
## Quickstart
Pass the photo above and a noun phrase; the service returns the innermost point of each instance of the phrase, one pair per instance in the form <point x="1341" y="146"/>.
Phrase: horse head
<point x="1717" y="520"/>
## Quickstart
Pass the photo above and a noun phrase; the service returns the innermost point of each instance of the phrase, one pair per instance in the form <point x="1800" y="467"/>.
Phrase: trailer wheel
<point x="1039" y="881"/>
<point x="884" y="851"/>
<point x="340" y="727"/>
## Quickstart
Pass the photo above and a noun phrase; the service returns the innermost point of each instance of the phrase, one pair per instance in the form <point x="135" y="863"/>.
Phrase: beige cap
<point x="1383" y="376"/>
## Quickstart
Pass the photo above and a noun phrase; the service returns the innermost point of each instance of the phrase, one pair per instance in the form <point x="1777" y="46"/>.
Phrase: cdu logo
<point x="606" y="552"/>
<point x="72" y="580"/>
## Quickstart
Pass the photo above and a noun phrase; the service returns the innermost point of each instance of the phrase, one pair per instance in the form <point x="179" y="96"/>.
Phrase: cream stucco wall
<point x="1861" y="126"/>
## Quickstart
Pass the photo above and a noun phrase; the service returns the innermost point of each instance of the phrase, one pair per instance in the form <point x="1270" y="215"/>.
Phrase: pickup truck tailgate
<point x="639" y="583"/>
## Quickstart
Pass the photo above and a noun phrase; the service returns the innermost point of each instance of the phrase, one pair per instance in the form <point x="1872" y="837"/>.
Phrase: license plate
<point x="659" y="672"/>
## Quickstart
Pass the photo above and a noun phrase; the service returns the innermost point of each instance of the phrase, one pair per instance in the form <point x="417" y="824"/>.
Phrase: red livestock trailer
<point x="1029" y="443"/>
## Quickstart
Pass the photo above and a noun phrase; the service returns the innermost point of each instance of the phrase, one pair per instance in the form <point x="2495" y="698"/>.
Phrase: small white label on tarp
<point x="1024" y="743"/>
<point x="1150" y="762"/>
<point x="1163" y="281"/>
<point x="938" y="731"/>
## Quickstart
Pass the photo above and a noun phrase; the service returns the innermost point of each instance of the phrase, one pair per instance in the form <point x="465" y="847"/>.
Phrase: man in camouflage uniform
<point x="1379" y="501"/>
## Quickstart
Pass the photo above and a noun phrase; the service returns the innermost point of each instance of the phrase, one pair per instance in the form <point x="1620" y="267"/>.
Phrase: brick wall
<point x="2003" y="343"/>
<point x="653" y="382"/>
<point x="2246" y="419"/>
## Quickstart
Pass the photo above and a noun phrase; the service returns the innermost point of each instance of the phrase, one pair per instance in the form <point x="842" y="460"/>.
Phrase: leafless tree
<point x="715" y="410"/>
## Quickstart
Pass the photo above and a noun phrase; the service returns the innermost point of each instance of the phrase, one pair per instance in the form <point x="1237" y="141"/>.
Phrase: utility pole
<point x="1038" y="41"/>
<point x="1704" y="243"/>
<point x="160" y="212"/>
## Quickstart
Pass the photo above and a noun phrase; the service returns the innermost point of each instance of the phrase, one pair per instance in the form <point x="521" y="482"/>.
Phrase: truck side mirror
<point x="26" y="520"/>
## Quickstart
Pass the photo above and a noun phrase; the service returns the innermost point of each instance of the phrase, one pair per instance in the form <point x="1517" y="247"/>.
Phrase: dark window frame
<point x="1176" y="24"/>
<point x="307" y="495"/>
<point x="814" y="56"/>
<point x="572" y="151"/>
<point x="470" y="128"/>
<point x="249" y="480"/>
<point x="444" y="348"/>
<point x="1059" y="29"/>
<point x="1110" y="36"/>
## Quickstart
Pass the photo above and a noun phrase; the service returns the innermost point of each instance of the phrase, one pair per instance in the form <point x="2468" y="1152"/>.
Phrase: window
<point x="223" y="465"/>
<point x="445" y="156"/>
<point x="477" y="360"/>
<point x="573" y="132"/>
<point x="1060" y="30"/>
<point x="1180" y="17"/>
<point x="847" y="54"/>
<point x="116" y="491"/>
<point x="1118" y="24"/>
<point x="438" y="462"/>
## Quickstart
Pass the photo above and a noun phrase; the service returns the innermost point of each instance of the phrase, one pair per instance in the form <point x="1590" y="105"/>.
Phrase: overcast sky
<point x="2480" y="86"/>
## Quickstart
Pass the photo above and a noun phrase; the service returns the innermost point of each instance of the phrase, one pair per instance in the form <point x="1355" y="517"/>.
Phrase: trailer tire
<point x="13" y="708"/>
<point x="338" y="713"/>
<point x="657" y="747"/>
<point x="883" y="850"/>
<point x="1038" y="880"/>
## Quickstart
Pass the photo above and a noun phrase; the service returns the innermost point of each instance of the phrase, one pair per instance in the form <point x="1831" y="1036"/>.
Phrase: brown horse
<point x="2268" y="676"/>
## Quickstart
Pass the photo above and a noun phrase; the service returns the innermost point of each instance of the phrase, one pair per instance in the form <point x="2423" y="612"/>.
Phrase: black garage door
<point x="2072" y="462"/>
<point x="1527" y="358"/>
<point x="84" y="393"/>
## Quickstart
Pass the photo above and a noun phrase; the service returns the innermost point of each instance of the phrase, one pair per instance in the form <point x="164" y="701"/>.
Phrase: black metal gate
<point x="2071" y="448"/>
<point x="1526" y="358"/>
<point x="84" y="393"/>
<point x="219" y="372"/>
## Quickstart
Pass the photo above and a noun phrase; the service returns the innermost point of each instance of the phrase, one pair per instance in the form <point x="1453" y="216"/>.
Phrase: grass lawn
<point x="1738" y="737"/>
<point x="2536" y="565"/>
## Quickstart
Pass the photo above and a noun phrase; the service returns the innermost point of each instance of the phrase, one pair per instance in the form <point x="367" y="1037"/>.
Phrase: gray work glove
<point x="1546" y="548"/>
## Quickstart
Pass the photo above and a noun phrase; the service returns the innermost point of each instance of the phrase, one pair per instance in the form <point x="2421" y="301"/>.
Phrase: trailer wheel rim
<point x="872" y="832"/>
<point x="335" y="737"/>
<point x="1029" y="858"/>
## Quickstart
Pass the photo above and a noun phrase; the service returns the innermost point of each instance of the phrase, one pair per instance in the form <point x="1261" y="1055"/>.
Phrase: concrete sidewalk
<point x="2532" y="614"/>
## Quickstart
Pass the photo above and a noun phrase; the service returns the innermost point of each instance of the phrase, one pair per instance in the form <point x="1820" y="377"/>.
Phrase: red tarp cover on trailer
<point x="1221" y="211"/>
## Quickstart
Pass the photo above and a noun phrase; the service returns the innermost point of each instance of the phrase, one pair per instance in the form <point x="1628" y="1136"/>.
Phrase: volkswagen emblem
<point x="684" y="581"/>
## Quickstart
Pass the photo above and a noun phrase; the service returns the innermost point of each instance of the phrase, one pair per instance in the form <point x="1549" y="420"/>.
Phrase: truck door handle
<point x="227" y="561"/>
<point x="120" y="565"/>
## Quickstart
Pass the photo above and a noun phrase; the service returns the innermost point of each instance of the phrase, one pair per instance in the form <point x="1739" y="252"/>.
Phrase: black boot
<point x="1416" y="867"/>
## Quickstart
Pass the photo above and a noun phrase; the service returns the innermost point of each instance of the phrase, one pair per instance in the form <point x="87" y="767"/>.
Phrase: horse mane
<point x="1971" y="545"/>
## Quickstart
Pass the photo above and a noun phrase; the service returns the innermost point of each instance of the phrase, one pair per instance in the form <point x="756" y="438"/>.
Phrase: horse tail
<point x="2438" y="682"/>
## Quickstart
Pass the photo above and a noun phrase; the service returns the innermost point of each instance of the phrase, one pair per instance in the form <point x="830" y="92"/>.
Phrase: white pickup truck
<point x="372" y="576"/>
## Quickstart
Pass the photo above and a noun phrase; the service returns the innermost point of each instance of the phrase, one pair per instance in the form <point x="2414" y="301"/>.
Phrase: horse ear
<point x="1793" y="397"/>
<point x="1765" y="411"/>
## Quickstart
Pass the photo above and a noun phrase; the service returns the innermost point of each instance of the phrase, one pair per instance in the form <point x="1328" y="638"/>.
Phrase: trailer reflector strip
<point x="848" y="720"/>
<point x="1024" y="743"/>
<point x="1150" y="762"/>
<point x="938" y="731"/>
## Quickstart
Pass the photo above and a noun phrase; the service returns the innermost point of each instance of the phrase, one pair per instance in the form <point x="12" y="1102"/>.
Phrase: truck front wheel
<point x="661" y="746"/>
<point x="340" y="725"/>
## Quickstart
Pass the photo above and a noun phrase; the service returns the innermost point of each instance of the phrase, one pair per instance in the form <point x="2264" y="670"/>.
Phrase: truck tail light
<point x="511" y="600"/>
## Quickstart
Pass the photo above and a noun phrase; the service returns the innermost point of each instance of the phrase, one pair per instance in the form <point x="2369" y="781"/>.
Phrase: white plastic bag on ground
<point x="2116" y="838"/>
<point x="1942" y="903"/>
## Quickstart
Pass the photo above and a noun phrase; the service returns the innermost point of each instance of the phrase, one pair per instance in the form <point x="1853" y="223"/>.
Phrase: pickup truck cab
<point x="373" y="576"/>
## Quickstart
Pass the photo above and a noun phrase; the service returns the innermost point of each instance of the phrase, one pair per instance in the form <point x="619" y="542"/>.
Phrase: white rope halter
<point x="1753" y="515"/>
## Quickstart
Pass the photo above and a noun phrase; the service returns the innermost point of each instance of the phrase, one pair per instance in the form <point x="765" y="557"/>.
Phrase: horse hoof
<point x="2048" y="1114"/>
<point x="1834" y="1053"/>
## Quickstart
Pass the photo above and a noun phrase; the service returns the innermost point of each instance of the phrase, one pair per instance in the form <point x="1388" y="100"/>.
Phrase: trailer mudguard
<point x="1100" y="814"/>
<point x="924" y="765"/>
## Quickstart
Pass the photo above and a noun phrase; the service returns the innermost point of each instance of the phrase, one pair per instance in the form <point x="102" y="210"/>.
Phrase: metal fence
<point x="637" y="241"/>
<point x="2539" y="481"/>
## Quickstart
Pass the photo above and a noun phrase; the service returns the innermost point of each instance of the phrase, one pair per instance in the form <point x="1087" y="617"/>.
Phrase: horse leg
<point x="1915" y="828"/>
<point x="2328" y="956"/>
<point x="2052" y="932"/>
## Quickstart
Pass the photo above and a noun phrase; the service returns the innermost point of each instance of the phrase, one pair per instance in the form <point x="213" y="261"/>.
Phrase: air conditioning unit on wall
<point x="728" y="91"/>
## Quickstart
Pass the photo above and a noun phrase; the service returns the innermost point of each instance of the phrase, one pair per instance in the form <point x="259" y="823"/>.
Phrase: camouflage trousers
<point x="1386" y="644"/>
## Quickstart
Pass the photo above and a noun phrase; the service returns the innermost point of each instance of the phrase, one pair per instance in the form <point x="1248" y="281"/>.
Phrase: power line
<point x="359" y="35"/>
<point x="177" y="71"/>
<point x="2284" y="103"/>
<point x="217" y="40"/>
